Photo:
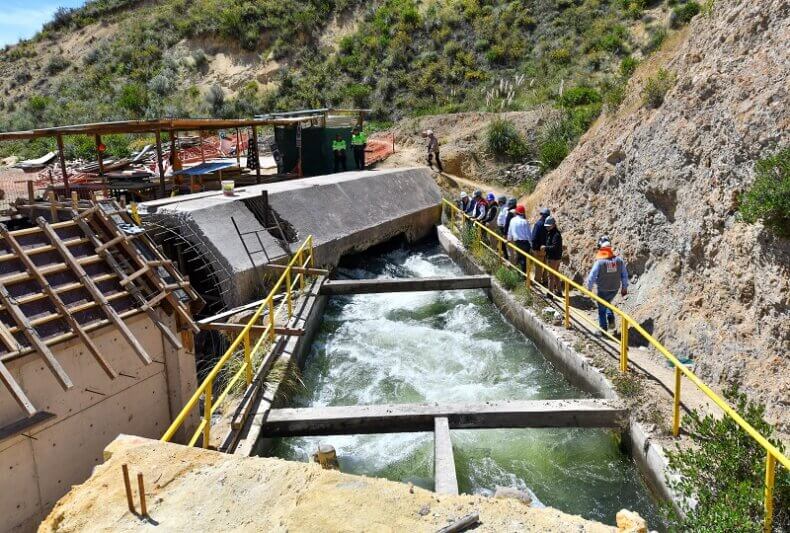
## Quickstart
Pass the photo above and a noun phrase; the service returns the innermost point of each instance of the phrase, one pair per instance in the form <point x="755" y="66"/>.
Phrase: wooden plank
<point x="133" y="289"/>
<point x="445" y="480"/>
<point x="16" y="391"/>
<point x="230" y="326"/>
<point x="49" y="269"/>
<point x="366" y="286"/>
<point x="298" y="270"/>
<point x="60" y="289"/>
<point x="60" y="305"/>
<point x="32" y="336"/>
<point x="401" y="418"/>
<point x="44" y="248"/>
<point x="95" y="292"/>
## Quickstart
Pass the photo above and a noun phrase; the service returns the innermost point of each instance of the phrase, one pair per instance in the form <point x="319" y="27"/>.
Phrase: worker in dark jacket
<point x="553" y="250"/>
<point x="538" y="240"/>
<point x="339" y="150"/>
<point x="359" y="141"/>
<point x="511" y="212"/>
<point x="490" y="219"/>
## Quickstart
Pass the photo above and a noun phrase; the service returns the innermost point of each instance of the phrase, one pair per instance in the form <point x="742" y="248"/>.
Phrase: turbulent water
<point x="454" y="346"/>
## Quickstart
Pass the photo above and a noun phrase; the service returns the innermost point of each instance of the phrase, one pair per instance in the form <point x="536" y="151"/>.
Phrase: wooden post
<point x="202" y="149"/>
<point x="100" y="155"/>
<point x="258" y="165"/>
<point x="160" y="164"/>
<point x="53" y="209"/>
<point x="141" y="488"/>
<point x="128" y="486"/>
<point x="62" y="158"/>
<point x="173" y="154"/>
<point x="238" y="147"/>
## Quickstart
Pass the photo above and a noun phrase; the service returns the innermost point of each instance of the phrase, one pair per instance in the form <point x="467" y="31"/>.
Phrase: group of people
<point x="359" y="140"/>
<point x="542" y="240"/>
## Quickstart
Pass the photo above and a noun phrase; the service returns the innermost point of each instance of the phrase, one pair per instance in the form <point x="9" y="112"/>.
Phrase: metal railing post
<point x="623" y="344"/>
<point x="288" y="292"/>
<point x="768" y="503"/>
<point x="676" y="404"/>
<point x="302" y="275"/>
<point x="248" y="357"/>
<point x="207" y="413"/>
<point x="567" y="305"/>
<point x="271" y="317"/>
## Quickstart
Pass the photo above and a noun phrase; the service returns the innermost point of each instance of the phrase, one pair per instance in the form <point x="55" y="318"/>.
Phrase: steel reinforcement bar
<point x="773" y="455"/>
<point x="291" y="283"/>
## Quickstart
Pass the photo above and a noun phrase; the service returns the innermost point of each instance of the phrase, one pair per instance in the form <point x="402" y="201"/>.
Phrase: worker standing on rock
<point x="359" y="141"/>
<point x="538" y="240"/>
<point x="552" y="252"/>
<point x="339" y="150"/>
<point x="609" y="274"/>
<point x="520" y="234"/>
<point x="433" y="150"/>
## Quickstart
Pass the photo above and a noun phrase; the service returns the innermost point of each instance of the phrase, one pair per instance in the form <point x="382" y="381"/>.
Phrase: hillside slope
<point x="711" y="287"/>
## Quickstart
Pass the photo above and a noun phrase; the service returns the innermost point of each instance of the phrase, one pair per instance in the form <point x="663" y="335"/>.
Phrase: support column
<point x="160" y="164"/>
<point x="100" y="155"/>
<point x="257" y="154"/>
<point x="445" y="479"/>
<point x="62" y="158"/>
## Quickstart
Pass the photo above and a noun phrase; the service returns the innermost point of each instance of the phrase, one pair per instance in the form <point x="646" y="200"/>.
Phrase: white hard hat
<point x="428" y="132"/>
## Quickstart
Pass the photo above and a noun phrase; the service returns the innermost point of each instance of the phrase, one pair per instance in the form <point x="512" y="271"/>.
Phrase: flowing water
<point x="454" y="346"/>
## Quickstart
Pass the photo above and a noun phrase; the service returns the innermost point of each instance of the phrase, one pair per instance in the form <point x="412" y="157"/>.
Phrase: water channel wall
<point x="556" y="344"/>
<point x="345" y="213"/>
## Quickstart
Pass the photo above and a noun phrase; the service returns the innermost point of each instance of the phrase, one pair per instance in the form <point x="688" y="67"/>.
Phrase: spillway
<point x="454" y="346"/>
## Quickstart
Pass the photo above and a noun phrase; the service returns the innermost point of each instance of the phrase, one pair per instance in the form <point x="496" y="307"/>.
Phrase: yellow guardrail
<point x="627" y="322"/>
<point x="291" y="284"/>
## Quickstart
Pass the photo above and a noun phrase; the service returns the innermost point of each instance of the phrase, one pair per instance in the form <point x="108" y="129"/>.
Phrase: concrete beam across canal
<point x="367" y="286"/>
<point x="402" y="418"/>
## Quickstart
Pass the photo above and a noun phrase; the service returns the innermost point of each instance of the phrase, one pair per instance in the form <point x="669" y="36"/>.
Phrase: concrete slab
<point x="399" y="418"/>
<point x="344" y="212"/>
<point x="445" y="480"/>
<point x="367" y="286"/>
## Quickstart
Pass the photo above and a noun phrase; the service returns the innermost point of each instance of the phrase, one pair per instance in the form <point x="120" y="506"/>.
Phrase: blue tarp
<point x="204" y="168"/>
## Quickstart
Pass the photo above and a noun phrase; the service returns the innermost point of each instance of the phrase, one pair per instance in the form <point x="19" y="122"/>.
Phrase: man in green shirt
<point x="359" y="140"/>
<point x="339" y="149"/>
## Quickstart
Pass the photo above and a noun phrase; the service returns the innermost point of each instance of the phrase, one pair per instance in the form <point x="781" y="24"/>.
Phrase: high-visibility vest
<point x="338" y="145"/>
<point x="359" y="139"/>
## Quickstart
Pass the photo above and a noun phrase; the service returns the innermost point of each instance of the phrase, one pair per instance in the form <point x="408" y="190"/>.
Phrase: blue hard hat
<point x="490" y="197"/>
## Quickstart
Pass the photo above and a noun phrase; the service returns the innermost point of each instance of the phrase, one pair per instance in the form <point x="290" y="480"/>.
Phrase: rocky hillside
<point x="662" y="176"/>
<point x="124" y="59"/>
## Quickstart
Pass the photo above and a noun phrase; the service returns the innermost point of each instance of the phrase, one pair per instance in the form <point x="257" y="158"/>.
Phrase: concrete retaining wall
<point x="556" y="345"/>
<point x="42" y="463"/>
<point x="345" y="213"/>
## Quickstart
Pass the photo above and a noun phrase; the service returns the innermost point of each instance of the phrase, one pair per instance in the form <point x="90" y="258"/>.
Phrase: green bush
<point x="577" y="96"/>
<point x="657" y="37"/>
<point x="552" y="151"/>
<point x="768" y="199"/>
<point x="657" y="87"/>
<point x="133" y="98"/>
<point x="683" y="14"/>
<point x="509" y="278"/>
<point x="503" y="139"/>
<point x="628" y="66"/>
<point x="723" y="473"/>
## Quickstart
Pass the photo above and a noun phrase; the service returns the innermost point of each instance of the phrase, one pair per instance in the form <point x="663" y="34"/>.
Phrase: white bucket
<point x="227" y="187"/>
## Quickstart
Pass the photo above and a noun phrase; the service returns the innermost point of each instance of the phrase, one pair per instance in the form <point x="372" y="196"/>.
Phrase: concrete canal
<point x="454" y="346"/>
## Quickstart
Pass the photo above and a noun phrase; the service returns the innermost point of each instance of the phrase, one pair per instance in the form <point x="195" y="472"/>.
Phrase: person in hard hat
<point x="519" y="234"/>
<point x="552" y="251"/>
<point x="609" y="274"/>
<point x="538" y="240"/>
<point x="463" y="201"/>
<point x="359" y="141"/>
<point x="481" y="208"/>
<point x="511" y="213"/>
<point x="500" y="222"/>
<point x="339" y="150"/>
<point x="491" y="217"/>
<point x="433" y="150"/>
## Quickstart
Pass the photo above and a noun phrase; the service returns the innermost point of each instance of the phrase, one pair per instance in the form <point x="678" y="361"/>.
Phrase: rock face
<point x="664" y="184"/>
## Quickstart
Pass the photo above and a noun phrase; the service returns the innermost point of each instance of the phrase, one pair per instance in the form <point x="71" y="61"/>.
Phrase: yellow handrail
<point x="302" y="258"/>
<point x="772" y="453"/>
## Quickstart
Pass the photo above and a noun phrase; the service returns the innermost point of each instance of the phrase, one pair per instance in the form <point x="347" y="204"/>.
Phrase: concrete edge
<point x="648" y="454"/>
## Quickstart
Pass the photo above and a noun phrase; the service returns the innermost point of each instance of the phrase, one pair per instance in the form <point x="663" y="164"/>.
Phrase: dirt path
<point x="457" y="182"/>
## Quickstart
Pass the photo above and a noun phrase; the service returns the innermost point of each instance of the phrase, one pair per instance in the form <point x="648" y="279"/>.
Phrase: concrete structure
<point x="352" y="420"/>
<point x="445" y="480"/>
<point x="345" y="213"/>
<point x="43" y="456"/>
<point x="368" y="286"/>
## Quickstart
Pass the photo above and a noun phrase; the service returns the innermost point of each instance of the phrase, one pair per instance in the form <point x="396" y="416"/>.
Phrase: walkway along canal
<point x="454" y="346"/>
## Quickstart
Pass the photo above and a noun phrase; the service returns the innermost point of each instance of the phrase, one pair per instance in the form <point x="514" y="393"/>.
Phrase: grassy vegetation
<point x="723" y="473"/>
<point x="768" y="199"/>
<point x="402" y="58"/>
<point x="657" y="87"/>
